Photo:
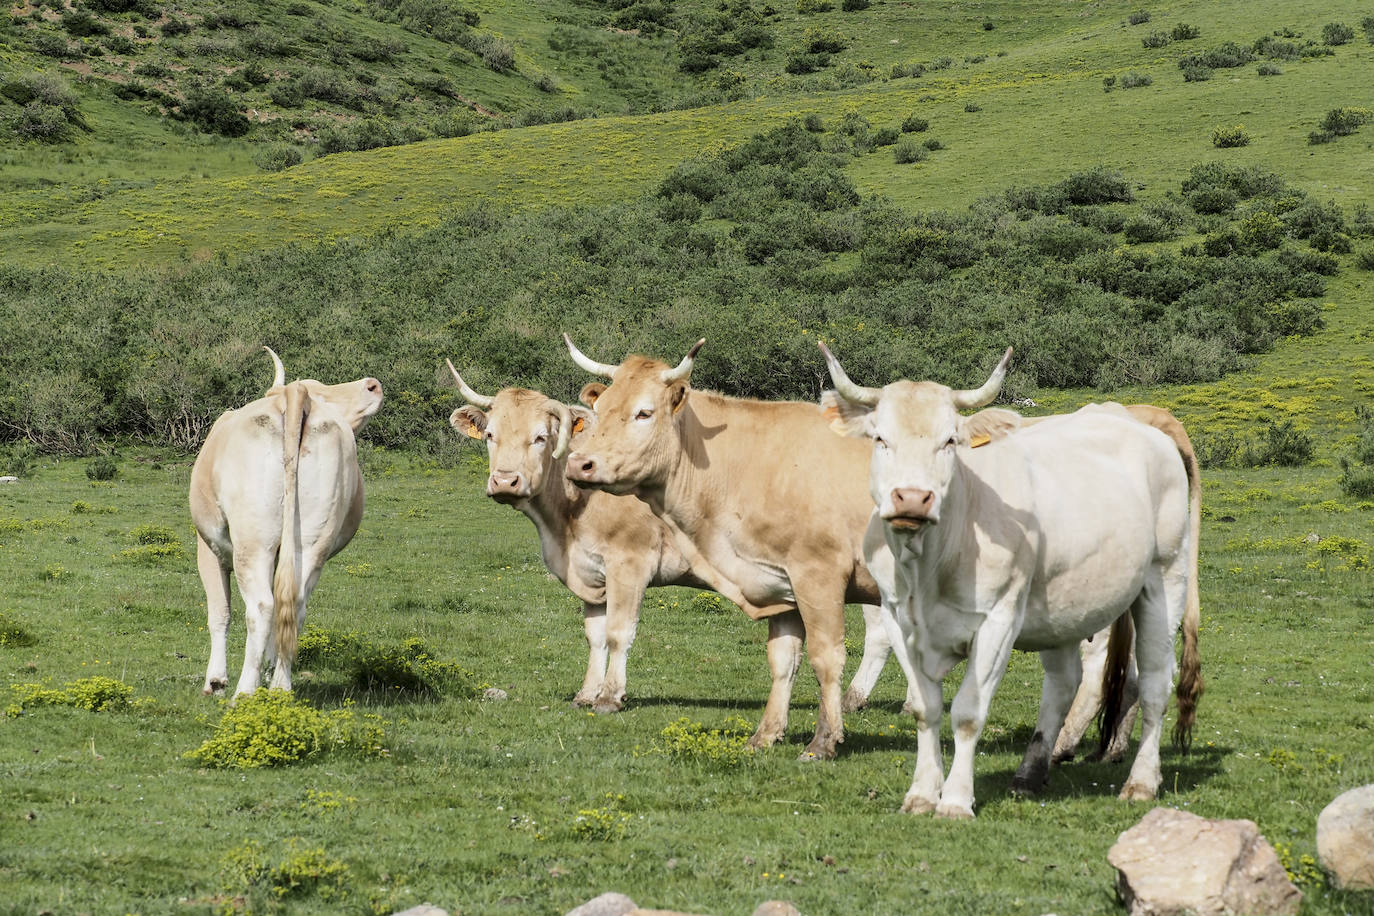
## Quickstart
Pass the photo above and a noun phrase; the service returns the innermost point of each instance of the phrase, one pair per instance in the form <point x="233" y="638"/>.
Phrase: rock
<point x="660" y="913"/>
<point x="608" y="904"/>
<point x="9" y="479"/>
<point x="1174" y="862"/>
<point x="424" y="909"/>
<point x="496" y="694"/>
<point x="1345" y="839"/>
<point x="776" y="908"/>
<point x="1312" y="538"/>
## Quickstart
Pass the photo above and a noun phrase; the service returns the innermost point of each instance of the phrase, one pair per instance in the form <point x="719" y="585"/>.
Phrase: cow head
<point x="354" y="402"/>
<point x="526" y="432"/>
<point x="917" y="432"/>
<point x="634" y="441"/>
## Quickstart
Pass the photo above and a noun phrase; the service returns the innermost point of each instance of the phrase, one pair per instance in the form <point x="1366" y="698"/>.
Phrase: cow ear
<point x="469" y="420"/>
<point x="846" y="417"/>
<point x="590" y="392"/>
<point x="678" y="395"/>
<point x="581" y="418"/>
<point x="990" y="424"/>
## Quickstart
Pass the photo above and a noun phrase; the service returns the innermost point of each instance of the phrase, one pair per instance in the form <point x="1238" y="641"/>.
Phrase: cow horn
<point x="684" y="368"/>
<point x="279" y="378"/>
<point x="481" y="400"/>
<point x="587" y="363"/>
<point x="978" y="397"/>
<point x="564" y="415"/>
<point x="846" y="388"/>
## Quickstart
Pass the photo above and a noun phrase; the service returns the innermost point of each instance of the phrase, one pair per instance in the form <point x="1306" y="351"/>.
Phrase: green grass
<point x="477" y="806"/>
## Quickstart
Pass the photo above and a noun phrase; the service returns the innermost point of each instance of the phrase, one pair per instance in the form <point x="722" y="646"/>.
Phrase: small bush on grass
<point x="886" y="136"/>
<point x="409" y="666"/>
<point x="913" y="124"/>
<point x="717" y="748"/>
<point x="907" y="150"/>
<point x="102" y="468"/>
<point x="13" y="634"/>
<point x="1337" y="33"/>
<point x="1139" y="17"/>
<point x="273" y="727"/>
<point x="1280" y="445"/>
<point x="1269" y="69"/>
<point x="854" y="6"/>
<point x="303" y="872"/>
<point x="932" y="144"/>
<point x="604" y="824"/>
<point x="1367" y="23"/>
<point x="1156" y="40"/>
<point x="1196" y="73"/>
<point x="277" y="157"/>
<point x="1364" y="258"/>
<point x="1184" y="32"/>
<point x="810" y="7"/>
<point x="1230" y="137"/>
<point x="1133" y="80"/>
<point x="93" y="694"/>
<point x="971" y="107"/>
<point x="824" y="41"/>
<point x="710" y="603"/>
<point x="215" y="111"/>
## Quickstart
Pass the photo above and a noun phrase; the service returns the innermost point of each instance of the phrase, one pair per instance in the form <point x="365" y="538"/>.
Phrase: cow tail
<point x="1114" y="677"/>
<point x="285" y="584"/>
<point x="1190" y="683"/>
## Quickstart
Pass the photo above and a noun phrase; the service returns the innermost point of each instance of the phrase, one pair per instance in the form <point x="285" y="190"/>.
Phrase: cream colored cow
<point x="276" y="491"/>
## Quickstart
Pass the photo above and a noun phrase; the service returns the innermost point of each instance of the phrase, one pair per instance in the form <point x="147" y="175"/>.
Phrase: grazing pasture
<point x="529" y="805"/>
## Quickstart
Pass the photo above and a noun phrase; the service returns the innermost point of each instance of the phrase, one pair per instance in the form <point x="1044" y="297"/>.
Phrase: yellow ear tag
<point x="578" y="424"/>
<point x="472" y="432"/>
<point x="978" y="441"/>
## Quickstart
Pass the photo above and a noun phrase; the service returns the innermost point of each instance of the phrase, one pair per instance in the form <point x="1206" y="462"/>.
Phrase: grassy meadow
<point x="145" y="256"/>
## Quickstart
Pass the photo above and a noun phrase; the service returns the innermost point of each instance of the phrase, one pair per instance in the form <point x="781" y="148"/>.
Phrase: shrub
<point x="1196" y="73"/>
<point x="691" y="742"/>
<point x="1280" y="444"/>
<point x="93" y="694"/>
<point x="50" y="44"/>
<point x="886" y="136"/>
<point x="813" y="123"/>
<point x="102" y="468"/>
<point x="82" y="24"/>
<point x="1156" y="40"/>
<point x="907" y="150"/>
<point x="1337" y="33"/>
<point x="215" y="111"/>
<point x="799" y="63"/>
<point x="1268" y="69"/>
<point x="277" y="157"/>
<point x="1364" y="258"/>
<point x="1342" y="122"/>
<point x="410" y="666"/>
<point x="604" y="824"/>
<point x="932" y="144"/>
<point x="1142" y="228"/>
<point x="1229" y="137"/>
<point x="498" y="54"/>
<point x="824" y="41"/>
<point x="1261" y="230"/>
<point x="43" y="123"/>
<point x="810" y="7"/>
<point x="1213" y="200"/>
<point x="13" y="634"/>
<point x="118" y="44"/>
<point x="1098" y="185"/>
<point x="1184" y="32"/>
<point x="175" y="27"/>
<point x="972" y="107"/>
<point x="1134" y="80"/>
<point x="273" y="727"/>
<point x="1223" y="57"/>
<point x="914" y="124"/>
<point x="1367" y="23"/>
<point x="854" y="6"/>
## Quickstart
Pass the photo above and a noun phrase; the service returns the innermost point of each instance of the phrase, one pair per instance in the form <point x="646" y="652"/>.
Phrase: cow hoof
<point x="608" y="706"/>
<point x="761" y="740"/>
<point x="215" y="688"/>
<point x="951" y="812"/>
<point x="1026" y="789"/>
<point x="809" y="755"/>
<point x="854" y="700"/>
<point x="1064" y="756"/>
<point x="1134" y="791"/>
<point x="915" y="804"/>
<point x="584" y="699"/>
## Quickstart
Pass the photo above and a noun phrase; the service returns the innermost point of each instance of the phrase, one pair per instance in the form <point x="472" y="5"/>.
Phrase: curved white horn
<point x="279" y="378"/>
<point x="564" y="416"/>
<point x="684" y="368"/>
<point x="481" y="400"/>
<point x="846" y="388"/>
<point x="978" y="397"/>
<point x="587" y="363"/>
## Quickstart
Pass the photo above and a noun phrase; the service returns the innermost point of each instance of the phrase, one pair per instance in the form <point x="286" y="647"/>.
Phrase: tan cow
<point x="276" y="491"/>
<point x="606" y="549"/>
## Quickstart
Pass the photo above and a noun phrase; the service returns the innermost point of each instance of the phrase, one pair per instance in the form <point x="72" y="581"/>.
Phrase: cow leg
<point x="924" y="795"/>
<point x="1063" y="671"/>
<point x="1121" y="731"/>
<point x="824" y="623"/>
<point x="1088" y="701"/>
<point x="1154" y="650"/>
<point x="876" y="650"/>
<point x="254" y="574"/>
<point x="624" y="597"/>
<point x="987" y="662"/>
<point x="215" y="578"/>
<point x="785" y="634"/>
<point x="281" y="672"/>
<point x="594" y="625"/>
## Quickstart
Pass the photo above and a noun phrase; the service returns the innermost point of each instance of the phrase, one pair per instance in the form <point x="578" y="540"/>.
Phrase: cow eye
<point x="951" y="443"/>
<point x="644" y="415"/>
<point x="540" y="439"/>
<point x="880" y="442"/>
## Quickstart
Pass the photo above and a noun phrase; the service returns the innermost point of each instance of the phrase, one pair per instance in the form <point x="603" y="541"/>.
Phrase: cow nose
<point x="913" y="502"/>
<point x="373" y="386"/>
<point x="503" y="484"/>
<point x="581" y="467"/>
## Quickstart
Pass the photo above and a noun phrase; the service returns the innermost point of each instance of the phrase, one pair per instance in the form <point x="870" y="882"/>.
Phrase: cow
<point x="275" y="492"/>
<point x="762" y="491"/>
<point x="606" y="549"/>
<point x="1035" y="541"/>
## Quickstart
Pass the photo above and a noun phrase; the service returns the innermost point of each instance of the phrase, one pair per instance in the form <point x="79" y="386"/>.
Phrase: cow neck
<point x="554" y="511"/>
<point x="955" y="511"/>
<point x="695" y="480"/>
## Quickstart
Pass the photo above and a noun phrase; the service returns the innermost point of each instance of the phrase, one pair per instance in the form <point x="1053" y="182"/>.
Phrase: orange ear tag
<point x="472" y="432"/>
<point x="978" y="441"/>
<point x="578" y="424"/>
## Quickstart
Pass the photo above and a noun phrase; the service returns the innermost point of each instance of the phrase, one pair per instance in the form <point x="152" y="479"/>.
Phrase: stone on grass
<point x="1345" y="839"/>
<point x="424" y="909"/>
<point x="608" y="904"/>
<point x="1174" y="862"/>
<point x="776" y="908"/>
<point x="495" y="694"/>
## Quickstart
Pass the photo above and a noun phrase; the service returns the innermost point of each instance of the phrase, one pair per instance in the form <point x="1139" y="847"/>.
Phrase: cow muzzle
<point x="508" y="487"/>
<point x="912" y="508"/>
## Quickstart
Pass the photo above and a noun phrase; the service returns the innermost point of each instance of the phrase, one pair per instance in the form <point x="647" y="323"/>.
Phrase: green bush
<point x="13" y="634"/>
<point x="1364" y="258"/>
<point x="273" y="727"/>
<point x="93" y="694"/>
<point x="1280" y="444"/>
<point x="913" y="124"/>
<point x="1337" y="33"/>
<point x="1230" y="137"/>
<point x="907" y="150"/>
<point x="43" y="123"/>
<point x="214" y="111"/>
<point x="1133" y="80"/>
<point x="81" y="24"/>
<point x="102" y="468"/>
<point x="410" y="666"/>
<point x="1268" y="69"/>
<point x="1156" y="40"/>
<point x="824" y="41"/>
<point x="932" y="144"/>
<point x="1184" y="32"/>
<point x="1196" y="73"/>
<point x="1138" y="17"/>
<point x="811" y="7"/>
<point x="854" y="6"/>
<point x="799" y="63"/>
<point x="714" y="748"/>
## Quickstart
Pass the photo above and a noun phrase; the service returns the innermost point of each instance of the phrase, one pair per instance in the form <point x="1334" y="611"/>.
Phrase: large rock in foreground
<point x="1174" y="862"/>
<point x="1345" y="839"/>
